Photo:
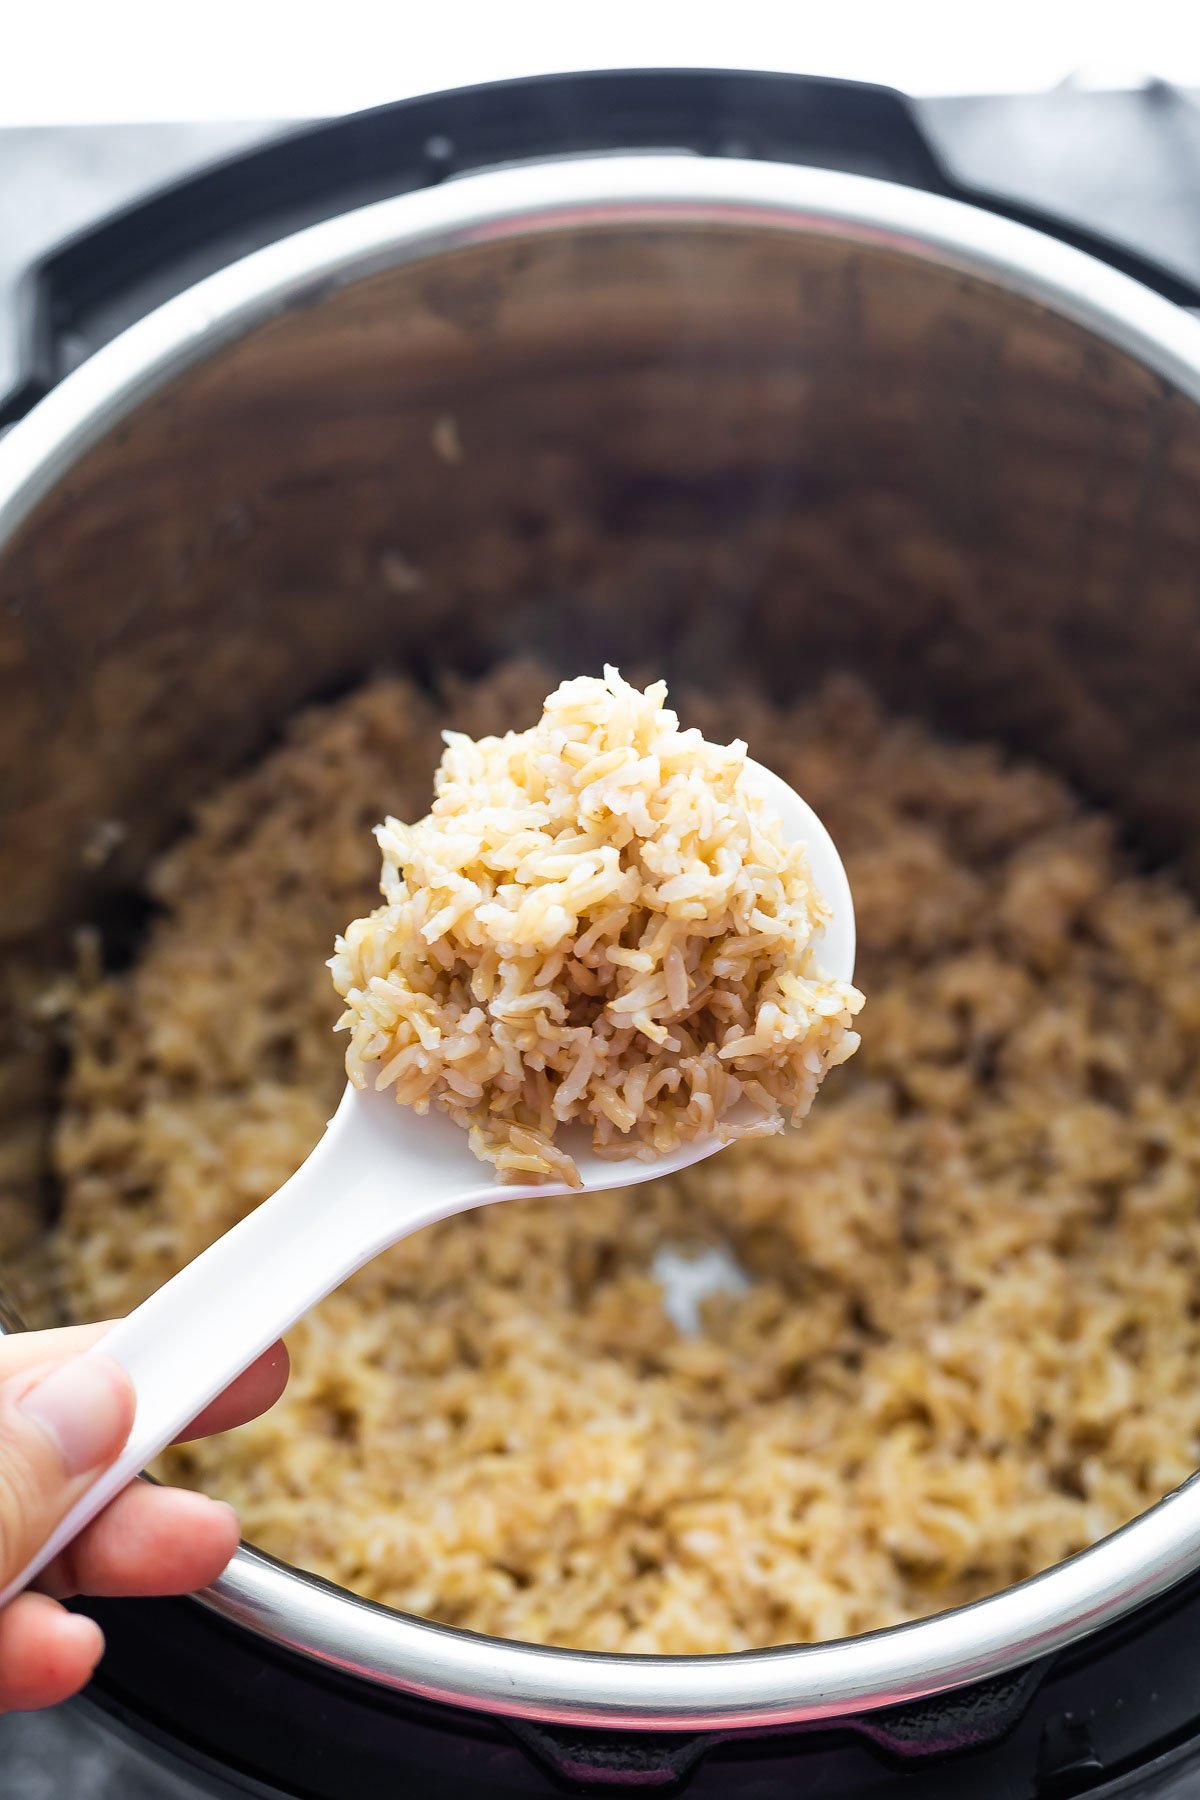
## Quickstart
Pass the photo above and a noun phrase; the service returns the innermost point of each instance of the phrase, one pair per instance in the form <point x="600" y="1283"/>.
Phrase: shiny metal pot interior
<point x="606" y="409"/>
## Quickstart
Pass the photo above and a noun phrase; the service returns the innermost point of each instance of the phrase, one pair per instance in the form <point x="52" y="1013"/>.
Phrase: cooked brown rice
<point x="600" y="922"/>
<point x="972" y="1337"/>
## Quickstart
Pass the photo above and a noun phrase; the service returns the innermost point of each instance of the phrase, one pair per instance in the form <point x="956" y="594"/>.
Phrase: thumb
<point x="58" y="1428"/>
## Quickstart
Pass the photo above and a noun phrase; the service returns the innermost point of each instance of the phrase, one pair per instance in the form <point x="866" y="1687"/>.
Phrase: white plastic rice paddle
<point x="380" y="1172"/>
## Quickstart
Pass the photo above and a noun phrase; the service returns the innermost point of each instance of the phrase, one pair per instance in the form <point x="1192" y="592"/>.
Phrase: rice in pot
<point x="971" y="1337"/>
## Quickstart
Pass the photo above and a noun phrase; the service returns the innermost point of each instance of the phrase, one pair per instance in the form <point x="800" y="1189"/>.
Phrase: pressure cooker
<point x="596" y="355"/>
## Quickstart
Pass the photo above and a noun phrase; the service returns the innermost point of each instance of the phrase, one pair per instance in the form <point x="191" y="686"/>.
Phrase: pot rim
<point x="310" y="1616"/>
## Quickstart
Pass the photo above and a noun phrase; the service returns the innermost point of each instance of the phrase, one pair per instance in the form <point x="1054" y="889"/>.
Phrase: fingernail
<point x="204" y="1503"/>
<point x="88" y="1636"/>
<point x="224" y="1506"/>
<point x="85" y="1407"/>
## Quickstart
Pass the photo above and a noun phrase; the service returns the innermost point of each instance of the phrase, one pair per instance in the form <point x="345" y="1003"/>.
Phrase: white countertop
<point x="137" y="60"/>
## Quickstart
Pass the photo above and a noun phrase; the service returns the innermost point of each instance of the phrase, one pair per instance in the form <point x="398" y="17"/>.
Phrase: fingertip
<point x="46" y="1653"/>
<point x="227" y="1527"/>
<point x="121" y="1388"/>
<point x="84" y="1406"/>
<point x="212" y="1532"/>
<point x="222" y="1535"/>
<point x="276" y="1371"/>
<point x="204" y="1507"/>
<point x="72" y="1645"/>
<point x="255" y="1391"/>
<point x="85" y="1638"/>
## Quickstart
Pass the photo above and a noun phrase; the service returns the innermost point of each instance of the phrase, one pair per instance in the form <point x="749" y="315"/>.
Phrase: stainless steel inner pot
<point x="723" y="419"/>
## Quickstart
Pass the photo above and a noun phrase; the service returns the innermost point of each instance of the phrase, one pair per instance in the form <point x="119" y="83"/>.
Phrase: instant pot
<point x="590" y="364"/>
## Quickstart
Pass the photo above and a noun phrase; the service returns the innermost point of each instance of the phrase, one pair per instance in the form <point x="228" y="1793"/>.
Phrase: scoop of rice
<point x="599" y="922"/>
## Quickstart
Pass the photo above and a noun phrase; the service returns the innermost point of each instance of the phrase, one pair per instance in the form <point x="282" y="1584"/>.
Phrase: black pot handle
<point x="945" y="1725"/>
<point x="91" y="286"/>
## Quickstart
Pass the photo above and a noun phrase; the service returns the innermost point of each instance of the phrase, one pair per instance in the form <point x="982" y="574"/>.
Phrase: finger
<point x="21" y="1350"/>
<point x="58" y="1428"/>
<point x="149" y="1540"/>
<point x="254" y="1390"/>
<point x="46" y="1653"/>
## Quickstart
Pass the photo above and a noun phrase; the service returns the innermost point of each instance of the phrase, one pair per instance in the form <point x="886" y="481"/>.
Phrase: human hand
<point x="63" y="1420"/>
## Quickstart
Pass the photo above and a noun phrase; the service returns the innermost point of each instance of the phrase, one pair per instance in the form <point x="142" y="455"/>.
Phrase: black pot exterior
<point x="1106" y="1718"/>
